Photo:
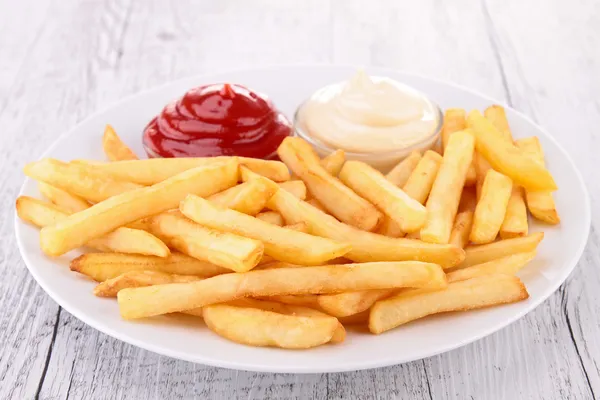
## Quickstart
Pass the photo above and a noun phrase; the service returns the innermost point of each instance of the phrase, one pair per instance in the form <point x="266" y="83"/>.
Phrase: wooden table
<point x="62" y="60"/>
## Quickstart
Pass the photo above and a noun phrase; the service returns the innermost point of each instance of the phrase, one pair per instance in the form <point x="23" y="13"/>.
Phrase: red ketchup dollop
<point x="217" y="120"/>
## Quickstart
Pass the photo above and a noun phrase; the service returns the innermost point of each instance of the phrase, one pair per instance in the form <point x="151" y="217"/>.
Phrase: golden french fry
<point x="162" y="299"/>
<point x="497" y="116"/>
<point x="63" y="199"/>
<point x="338" y="199"/>
<point x="154" y="170"/>
<point x="272" y="217"/>
<point x="296" y="187"/>
<point x="508" y="265"/>
<point x="444" y="198"/>
<point x="248" y="198"/>
<point x="334" y="162"/>
<point x="421" y="180"/>
<point x="121" y="240"/>
<point x="479" y="292"/>
<point x="350" y="303"/>
<point x="393" y="201"/>
<point x="77" y="179"/>
<point x="461" y="230"/>
<point x="237" y="253"/>
<point x="298" y="227"/>
<point x="114" y="148"/>
<point x="491" y="251"/>
<point x="280" y="243"/>
<point x="506" y="158"/>
<point x="515" y="222"/>
<point x="366" y="246"/>
<point x="388" y="227"/>
<point x="491" y="207"/>
<point x="401" y="172"/>
<point x="540" y="203"/>
<point x="103" y="266"/>
<point x="455" y="121"/>
<point x="258" y="327"/>
<point x="315" y="203"/>
<point x="79" y="228"/>
<point x="305" y="300"/>
<point x="132" y="279"/>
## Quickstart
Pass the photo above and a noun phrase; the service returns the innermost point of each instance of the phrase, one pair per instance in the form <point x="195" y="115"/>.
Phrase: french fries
<point x="372" y="185"/>
<point x="388" y="227"/>
<point x="463" y="222"/>
<point x="515" y="222"/>
<point x="237" y="253"/>
<point x="104" y="266"/>
<point x="315" y="203"/>
<point x="122" y="240"/>
<point x="79" y="228"/>
<point x="491" y="207"/>
<point x="334" y="162"/>
<point x="366" y="246"/>
<point x="279" y="243"/>
<point x="77" y="179"/>
<point x="271" y="217"/>
<point x="63" y="199"/>
<point x="419" y="183"/>
<point x="351" y="303"/>
<point x="162" y="299"/>
<point x="114" y="148"/>
<point x="259" y="327"/>
<point x="479" y="292"/>
<point x="508" y="159"/>
<point x="508" y="265"/>
<point x="155" y="170"/>
<point x="338" y="199"/>
<point x="444" y="198"/>
<point x="540" y="203"/>
<point x="298" y="227"/>
<point x="401" y="172"/>
<point x="248" y="198"/>
<point x="497" y="116"/>
<point x="132" y="279"/>
<point x="296" y="187"/>
<point x="306" y="300"/>
<point x="455" y="121"/>
<point x="486" y="252"/>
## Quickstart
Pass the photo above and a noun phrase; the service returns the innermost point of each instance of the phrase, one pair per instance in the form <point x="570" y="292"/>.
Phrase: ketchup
<point x="217" y="120"/>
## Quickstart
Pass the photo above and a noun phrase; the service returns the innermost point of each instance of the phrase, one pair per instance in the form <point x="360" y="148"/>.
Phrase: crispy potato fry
<point x="315" y="203"/>
<point x="272" y="217"/>
<point x="338" y="199"/>
<point x="444" y="198"/>
<point x="79" y="228"/>
<point x="305" y="300"/>
<point x="122" y="240"/>
<point x="515" y="222"/>
<point x="464" y="219"/>
<point x="508" y="265"/>
<point x="162" y="299"/>
<point x="280" y="243"/>
<point x="497" y="116"/>
<point x="298" y="227"/>
<point x="393" y="201"/>
<point x="506" y="158"/>
<point x="249" y="197"/>
<point x="409" y="305"/>
<point x="366" y="246"/>
<point x="114" y="148"/>
<point x="421" y="180"/>
<point x="491" y="208"/>
<point x="350" y="303"/>
<point x="540" y="203"/>
<point x="131" y="279"/>
<point x="388" y="227"/>
<point x="77" y="179"/>
<point x="155" y="170"/>
<point x="103" y="266"/>
<point x="296" y="187"/>
<point x="491" y="251"/>
<point x="237" y="253"/>
<point x="65" y="200"/>
<point x="334" y="162"/>
<point x="401" y="172"/>
<point x="256" y="327"/>
<point x="455" y="121"/>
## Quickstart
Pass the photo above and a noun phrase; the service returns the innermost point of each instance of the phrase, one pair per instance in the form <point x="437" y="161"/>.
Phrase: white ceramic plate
<point x="188" y="339"/>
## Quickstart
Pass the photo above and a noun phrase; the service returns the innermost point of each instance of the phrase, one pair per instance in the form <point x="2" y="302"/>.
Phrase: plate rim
<point x="368" y="364"/>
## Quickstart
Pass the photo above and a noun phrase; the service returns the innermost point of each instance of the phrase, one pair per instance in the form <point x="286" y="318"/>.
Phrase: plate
<point x="189" y="339"/>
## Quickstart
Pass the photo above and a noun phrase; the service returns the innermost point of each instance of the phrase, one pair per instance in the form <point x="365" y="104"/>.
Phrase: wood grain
<point x="64" y="59"/>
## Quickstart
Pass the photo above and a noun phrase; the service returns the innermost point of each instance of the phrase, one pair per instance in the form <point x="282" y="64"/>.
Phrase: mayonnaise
<point x="369" y="115"/>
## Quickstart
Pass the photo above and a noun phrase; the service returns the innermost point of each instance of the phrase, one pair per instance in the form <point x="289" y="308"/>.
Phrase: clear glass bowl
<point x="383" y="161"/>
